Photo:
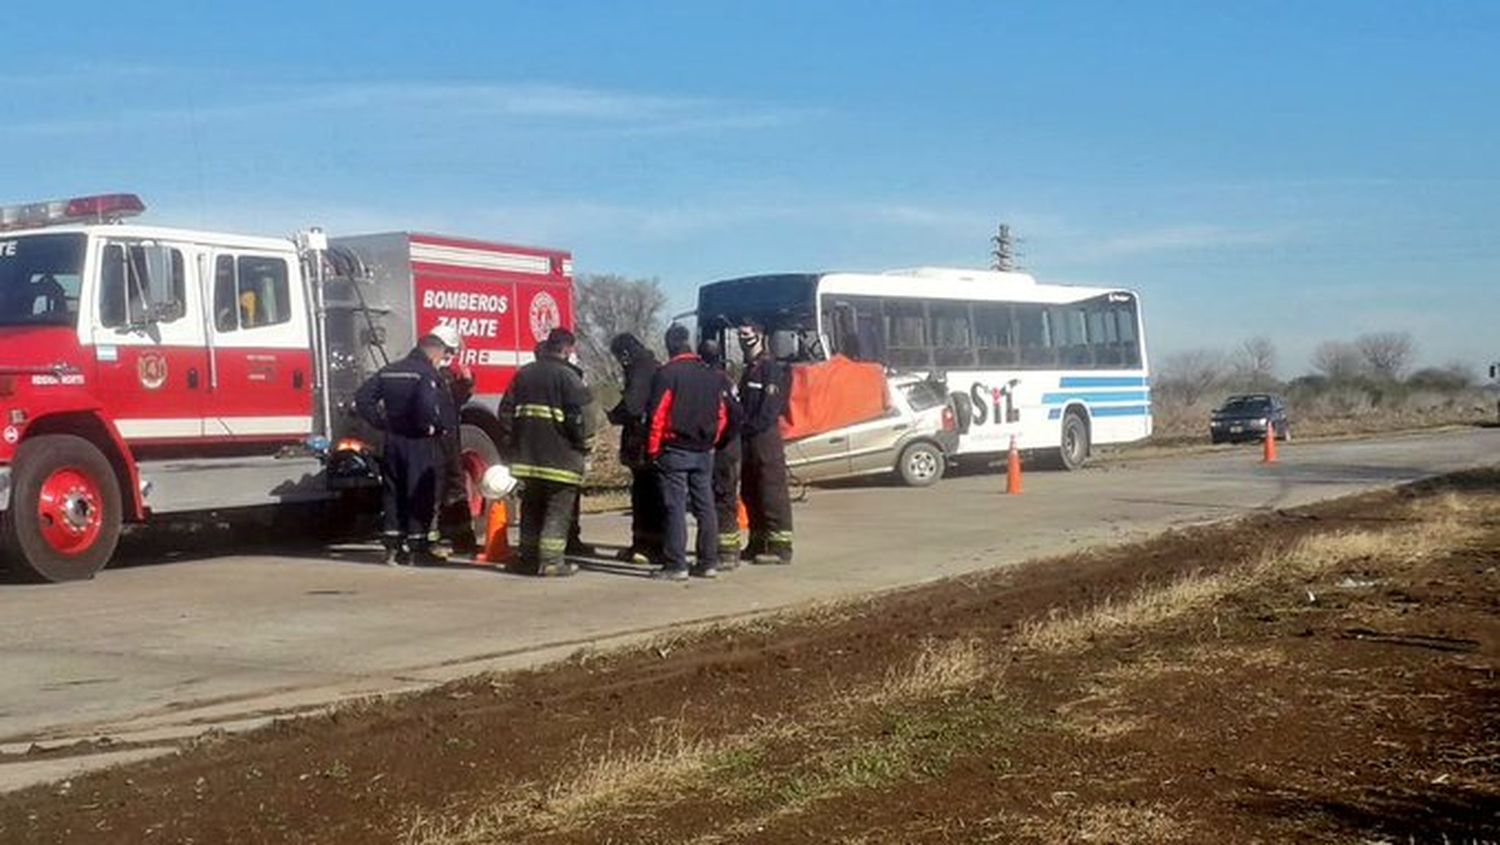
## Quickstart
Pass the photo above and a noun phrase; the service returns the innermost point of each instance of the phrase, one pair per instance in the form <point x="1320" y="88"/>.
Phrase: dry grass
<point x="602" y="780"/>
<point x="940" y="668"/>
<point x="1425" y="528"/>
<point x="1120" y="824"/>
<point x="921" y="703"/>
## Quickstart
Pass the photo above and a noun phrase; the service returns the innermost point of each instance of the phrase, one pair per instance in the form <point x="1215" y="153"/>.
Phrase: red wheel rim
<point x="474" y="467"/>
<point x="70" y="511"/>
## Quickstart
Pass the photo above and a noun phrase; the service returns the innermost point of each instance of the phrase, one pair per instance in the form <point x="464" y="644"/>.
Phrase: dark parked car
<point x="1246" y="418"/>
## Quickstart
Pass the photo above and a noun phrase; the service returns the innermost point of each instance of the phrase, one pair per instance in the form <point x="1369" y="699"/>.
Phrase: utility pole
<point x="1004" y="251"/>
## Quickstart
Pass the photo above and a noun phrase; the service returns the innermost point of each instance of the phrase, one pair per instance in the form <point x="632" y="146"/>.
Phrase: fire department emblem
<point x="545" y="315"/>
<point x="152" y="370"/>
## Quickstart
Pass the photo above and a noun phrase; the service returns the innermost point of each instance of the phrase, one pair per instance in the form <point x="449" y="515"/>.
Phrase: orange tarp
<point x="833" y="394"/>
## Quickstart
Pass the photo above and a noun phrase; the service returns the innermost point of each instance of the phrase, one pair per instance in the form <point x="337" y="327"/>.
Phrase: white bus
<point x="1060" y="368"/>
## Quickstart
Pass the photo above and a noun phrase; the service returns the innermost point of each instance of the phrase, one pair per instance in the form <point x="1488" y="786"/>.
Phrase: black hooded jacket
<point x="629" y="413"/>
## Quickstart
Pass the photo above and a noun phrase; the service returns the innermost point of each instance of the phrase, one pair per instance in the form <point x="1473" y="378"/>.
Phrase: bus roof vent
<point x="960" y="274"/>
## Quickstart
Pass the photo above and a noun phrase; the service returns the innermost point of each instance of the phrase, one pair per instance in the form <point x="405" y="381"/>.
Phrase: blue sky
<point x="1299" y="170"/>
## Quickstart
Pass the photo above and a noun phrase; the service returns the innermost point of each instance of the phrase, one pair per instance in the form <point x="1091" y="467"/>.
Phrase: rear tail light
<point x="950" y="422"/>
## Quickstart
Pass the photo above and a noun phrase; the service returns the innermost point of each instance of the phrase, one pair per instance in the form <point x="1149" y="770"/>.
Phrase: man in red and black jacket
<point x="688" y="417"/>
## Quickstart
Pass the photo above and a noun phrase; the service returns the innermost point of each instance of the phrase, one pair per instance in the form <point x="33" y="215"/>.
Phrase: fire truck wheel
<point x="478" y="453"/>
<point x="65" y="513"/>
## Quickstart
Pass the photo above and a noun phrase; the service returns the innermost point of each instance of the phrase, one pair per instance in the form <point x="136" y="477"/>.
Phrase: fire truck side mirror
<point x="1495" y="371"/>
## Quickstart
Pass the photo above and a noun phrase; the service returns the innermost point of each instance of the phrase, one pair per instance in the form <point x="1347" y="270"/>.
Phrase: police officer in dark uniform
<point x="546" y="437"/>
<point x="404" y="400"/>
<point x="763" y="482"/>
<point x="726" y="459"/>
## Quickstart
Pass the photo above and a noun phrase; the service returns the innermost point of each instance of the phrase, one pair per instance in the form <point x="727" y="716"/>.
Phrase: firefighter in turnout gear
<point x="763" y="474"/>
<point x="546" y="439"/>
<point x="726" y="461"/>
<point x="404" y="400"/>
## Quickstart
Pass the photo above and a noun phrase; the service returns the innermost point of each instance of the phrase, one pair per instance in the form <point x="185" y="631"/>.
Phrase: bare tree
<point x="1386" y="354"/>
<point x="607" y="305"/>
<point x="1338" y="360"/>
<point x="1255" y="363"/>
<point x="1186" y="376"/>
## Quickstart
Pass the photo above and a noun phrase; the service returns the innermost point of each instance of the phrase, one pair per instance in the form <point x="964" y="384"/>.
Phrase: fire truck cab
<point x="148" y="370"/>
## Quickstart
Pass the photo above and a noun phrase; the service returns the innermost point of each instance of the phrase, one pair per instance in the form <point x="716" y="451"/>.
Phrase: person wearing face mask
<point x="763" y="480"/>
<point x="647" y="518"/>
<point x="404" y="400"/>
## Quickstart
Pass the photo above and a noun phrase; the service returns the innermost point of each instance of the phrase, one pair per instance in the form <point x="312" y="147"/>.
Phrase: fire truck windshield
<point x="40" y="279"/>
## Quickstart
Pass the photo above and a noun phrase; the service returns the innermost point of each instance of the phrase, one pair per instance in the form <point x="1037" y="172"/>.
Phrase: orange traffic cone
<point x="496" y="535"/>
<point x="1270" y="455"/>
<point x="744" y="517"/>
<point x="1013" y="470"/>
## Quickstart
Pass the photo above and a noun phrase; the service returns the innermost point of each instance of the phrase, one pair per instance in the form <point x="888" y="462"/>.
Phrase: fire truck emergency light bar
<point x="104" y="208"/>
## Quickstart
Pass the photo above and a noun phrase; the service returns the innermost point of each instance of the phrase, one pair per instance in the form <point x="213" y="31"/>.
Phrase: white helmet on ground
<point x="448" y="335"/>
<point x="497" y="482"/>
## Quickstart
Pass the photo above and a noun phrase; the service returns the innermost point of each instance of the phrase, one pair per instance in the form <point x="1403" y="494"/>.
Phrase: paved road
<point x="152" y="652"/>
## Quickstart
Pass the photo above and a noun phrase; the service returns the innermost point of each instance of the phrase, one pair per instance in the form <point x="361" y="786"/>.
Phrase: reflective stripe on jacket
<point x="544" y="421"/>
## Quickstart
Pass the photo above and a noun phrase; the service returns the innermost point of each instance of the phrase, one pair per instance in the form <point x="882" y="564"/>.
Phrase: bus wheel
<point x="921" y="465"/>
<point x="1074" y="449"/>
<point x="65" y="511"/>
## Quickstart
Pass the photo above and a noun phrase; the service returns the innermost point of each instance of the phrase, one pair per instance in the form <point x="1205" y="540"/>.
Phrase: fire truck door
<point x="262" y="351"/>
<point x="151" y="360"/>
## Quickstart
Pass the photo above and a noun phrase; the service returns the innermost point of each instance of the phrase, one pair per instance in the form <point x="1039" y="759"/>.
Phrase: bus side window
<point x="1070" y="337"/>
<point x="867" y="329"/>
<point x="994" y="334"/>
<point x="1103" y="337"/>
<point x="1036" y="339"/>
<point x="906" y="333"/>
<point x="1125" y="317"/>
<point x="839" y="328"/>
<point x="953" y="344"/>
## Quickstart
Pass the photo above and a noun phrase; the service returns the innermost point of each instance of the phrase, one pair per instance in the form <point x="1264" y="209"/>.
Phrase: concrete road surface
<point x="154" y="651"/>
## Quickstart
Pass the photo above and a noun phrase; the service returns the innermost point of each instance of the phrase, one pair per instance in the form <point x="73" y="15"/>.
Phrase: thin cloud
<point x="1188" y="238"/>
<point x="529" y="103"/>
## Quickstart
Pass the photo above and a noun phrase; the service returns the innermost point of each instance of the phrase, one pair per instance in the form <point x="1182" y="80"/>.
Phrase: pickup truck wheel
<point x="65" y="511"/>
<point x="921" y="465"/>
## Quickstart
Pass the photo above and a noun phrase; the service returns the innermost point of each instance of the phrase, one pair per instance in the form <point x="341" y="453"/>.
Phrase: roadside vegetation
<point x="1366" y="385"/>
<point x="1323" y="674"/>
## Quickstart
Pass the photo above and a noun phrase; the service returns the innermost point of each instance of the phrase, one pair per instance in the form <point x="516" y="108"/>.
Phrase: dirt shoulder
<point x="1322" y="674"/>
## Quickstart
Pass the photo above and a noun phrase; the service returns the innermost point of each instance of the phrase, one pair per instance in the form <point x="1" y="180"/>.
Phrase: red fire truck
<point x="148" y="371"/>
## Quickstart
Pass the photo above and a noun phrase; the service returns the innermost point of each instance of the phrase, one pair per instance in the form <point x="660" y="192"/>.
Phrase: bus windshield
<point x="40" y="279"/>
<point x="785" y="302"/>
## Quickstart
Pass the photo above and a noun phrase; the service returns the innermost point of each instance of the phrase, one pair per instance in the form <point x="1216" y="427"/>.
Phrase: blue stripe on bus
<point x="1103" y="396"/>
<point x="1116" y="411"/>
<point x="1102" y="381"/>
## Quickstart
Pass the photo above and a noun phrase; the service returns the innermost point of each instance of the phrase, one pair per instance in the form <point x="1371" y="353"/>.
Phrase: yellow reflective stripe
<point x="546" y="474"/>
<point x="545" y="412"/>
<point x="548" y="545"/>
